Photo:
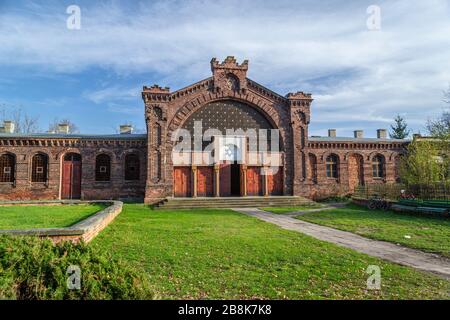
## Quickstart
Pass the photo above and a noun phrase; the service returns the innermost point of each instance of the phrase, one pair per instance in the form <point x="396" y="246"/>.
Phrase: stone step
<point x="232" y="202"/>
<point x="219" y="200"/>
<point x="217" y="207"/>
<point x="246" y="200"/>
<point x="237" y="204"/>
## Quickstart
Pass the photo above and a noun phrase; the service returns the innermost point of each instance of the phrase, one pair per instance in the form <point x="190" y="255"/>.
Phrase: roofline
<point x="72" y="136"/>
<point x="191" y="85"/>
<point x="350" y="139"/>
<point x="265" y="88"/>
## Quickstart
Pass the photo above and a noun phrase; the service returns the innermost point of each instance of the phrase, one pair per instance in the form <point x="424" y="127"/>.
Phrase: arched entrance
<point x="355" y="171"/>
<point x="240" y="137"/>
<point x="71" y="176"/>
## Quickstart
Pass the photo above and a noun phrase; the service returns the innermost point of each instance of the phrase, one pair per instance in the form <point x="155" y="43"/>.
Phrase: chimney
<point x="126" y="129"/>
<point x="8" y="126"/>
<point x="63" y="128"/>
<point x="358" y="134"/>
<point x="332" y="133"/>
<point x="382" y="134"/>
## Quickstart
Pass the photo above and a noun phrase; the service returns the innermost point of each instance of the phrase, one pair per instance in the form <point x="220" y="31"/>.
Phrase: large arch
<point x="240" y="116"/>
<point x="229" y="114"/>
<point x="272" y="115"/>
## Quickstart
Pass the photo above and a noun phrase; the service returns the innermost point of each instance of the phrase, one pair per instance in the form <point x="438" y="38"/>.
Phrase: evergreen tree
<point x="400" y="129"/>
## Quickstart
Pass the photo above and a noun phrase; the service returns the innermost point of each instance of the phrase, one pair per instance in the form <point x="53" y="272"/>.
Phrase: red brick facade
<point x="23" y="148"/>
<point x="304" y="158"/>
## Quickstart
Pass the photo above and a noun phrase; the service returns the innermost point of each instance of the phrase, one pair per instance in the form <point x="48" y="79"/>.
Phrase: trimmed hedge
<point x="32" y="268"/>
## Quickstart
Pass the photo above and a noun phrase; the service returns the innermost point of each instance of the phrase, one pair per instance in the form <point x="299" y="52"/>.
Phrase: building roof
<point x="72" y="136"/>
<point x="361" y="140"/>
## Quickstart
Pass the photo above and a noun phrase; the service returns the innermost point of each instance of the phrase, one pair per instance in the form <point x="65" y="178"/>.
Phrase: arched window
<point x="7" y="167"/>
<point x="158" y="113"/>
<point x="332" y="162"/>
<point x="131" y="167"/>
<point x="378" y="166"/>
<point x="102" y="168"/>
<point x="39" y="166"/>
<point x="158" y="134"/>
<point x="313" y="168"/>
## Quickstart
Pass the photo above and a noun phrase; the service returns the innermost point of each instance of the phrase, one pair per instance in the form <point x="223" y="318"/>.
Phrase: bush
<point x="33" y="268"/>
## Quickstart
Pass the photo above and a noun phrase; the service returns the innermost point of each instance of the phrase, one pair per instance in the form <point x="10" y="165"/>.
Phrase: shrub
<point x="33" y="268"/>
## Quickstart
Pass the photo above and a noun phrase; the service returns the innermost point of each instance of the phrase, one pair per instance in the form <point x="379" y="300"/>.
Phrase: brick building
<point x="268" y="151"/>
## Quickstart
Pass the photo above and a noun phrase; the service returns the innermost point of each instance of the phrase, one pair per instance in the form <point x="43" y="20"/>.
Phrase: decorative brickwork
<point x="24" y="149"/>
<point x="303" y="158"/>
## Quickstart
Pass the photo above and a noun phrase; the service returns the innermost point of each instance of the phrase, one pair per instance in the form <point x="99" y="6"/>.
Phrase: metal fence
<point x="395" y="191"/>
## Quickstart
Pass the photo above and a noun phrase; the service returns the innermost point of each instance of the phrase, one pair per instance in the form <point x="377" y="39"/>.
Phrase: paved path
<point x="381" y="249"/>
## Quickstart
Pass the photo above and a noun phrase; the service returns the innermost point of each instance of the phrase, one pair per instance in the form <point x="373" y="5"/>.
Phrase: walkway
<point x="381" y="249"/>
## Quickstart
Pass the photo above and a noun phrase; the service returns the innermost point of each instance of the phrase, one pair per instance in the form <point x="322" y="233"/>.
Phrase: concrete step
<point x="225" y="205"/>
<point x="218" y="207"/>
<point x="232" y="202"/>
<point x="246" y="200"/>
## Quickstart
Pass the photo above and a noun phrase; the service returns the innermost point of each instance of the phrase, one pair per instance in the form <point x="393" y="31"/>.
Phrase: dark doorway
<point x="71" y="176"/>
<point x="235" y="179"/>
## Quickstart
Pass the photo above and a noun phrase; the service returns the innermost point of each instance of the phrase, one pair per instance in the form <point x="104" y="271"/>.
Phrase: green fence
<point x="395" y="191"/>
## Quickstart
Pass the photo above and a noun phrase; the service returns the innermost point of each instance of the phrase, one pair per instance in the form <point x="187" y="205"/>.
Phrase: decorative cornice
<point x="156" y="89"/>
<point x="299" y="95"/>
<point x="260" y="89"/>
<point x="357" y="145"/>
<point x="229" y="63"/>
<point x="193" y="88"/>
<point x="67" y="142"/>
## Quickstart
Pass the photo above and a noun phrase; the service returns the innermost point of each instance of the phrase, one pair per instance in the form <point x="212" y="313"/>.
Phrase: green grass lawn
<point x="223" y="254"/>
<point x="281" y="210"/>
<point x="427" y="233"/>
<point x="34" y="216"/>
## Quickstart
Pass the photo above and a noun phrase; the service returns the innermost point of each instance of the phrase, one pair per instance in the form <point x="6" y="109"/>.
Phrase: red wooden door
<point x="71" y="177"/>
<point x="275" y="183"/>
<point x="182" y="181"/>
<point x="66" y="180"/>
<point x="76" y="180"/>
<point x="254" y="183"/>
<point x="225" y="180"/>
<point x="205" y="182"/>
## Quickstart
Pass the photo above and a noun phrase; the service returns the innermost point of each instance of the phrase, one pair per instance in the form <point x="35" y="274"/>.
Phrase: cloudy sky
<point x="359" y="78"/>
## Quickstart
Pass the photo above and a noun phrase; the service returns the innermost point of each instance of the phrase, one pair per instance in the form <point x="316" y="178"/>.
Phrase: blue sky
<point x="360" y="79"/>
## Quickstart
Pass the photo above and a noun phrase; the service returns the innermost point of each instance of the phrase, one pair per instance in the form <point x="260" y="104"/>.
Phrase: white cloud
<point x="354" y="74"/>
<point x="113" y="93"/>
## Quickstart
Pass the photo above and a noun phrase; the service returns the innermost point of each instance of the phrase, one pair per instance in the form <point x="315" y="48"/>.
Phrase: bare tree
<point x="447" y="95"/>
<point x="24" y="123"/>
<point x="53" y="126"/>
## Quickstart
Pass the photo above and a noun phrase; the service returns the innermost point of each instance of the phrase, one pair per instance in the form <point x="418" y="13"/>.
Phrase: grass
<point x="34" y="216"/>
<point x="206" y="254"/>
<point x="281" y="210"/>
<point x="427" y="233"/>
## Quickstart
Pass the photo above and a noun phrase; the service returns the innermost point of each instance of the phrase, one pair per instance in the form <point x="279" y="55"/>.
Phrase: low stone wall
<point x="85" y="230"/>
